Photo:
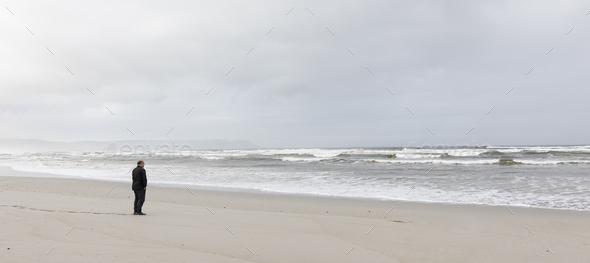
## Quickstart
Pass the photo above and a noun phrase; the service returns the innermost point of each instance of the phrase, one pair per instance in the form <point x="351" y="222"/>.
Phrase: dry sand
<point x="37" y="216"/>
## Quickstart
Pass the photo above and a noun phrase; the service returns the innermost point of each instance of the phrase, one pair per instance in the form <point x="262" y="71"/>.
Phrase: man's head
<point x="140" y="163"/>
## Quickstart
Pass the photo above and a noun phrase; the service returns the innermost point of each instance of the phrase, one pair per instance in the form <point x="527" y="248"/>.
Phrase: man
<point x="138" y="186"/>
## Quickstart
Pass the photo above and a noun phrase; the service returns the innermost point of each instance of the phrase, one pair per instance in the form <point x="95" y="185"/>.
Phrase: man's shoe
<point x="141" y="214"/>
<point x="134" y="213"/>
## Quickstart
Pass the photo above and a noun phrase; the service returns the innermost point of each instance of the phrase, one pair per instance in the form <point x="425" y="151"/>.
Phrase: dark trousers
<point x="139" y="199"/>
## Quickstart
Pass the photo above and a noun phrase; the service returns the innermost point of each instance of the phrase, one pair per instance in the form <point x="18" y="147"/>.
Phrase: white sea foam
<point x="307" y="160"/>
<point x="542" y="179"/>
<point x="543" y="149"/>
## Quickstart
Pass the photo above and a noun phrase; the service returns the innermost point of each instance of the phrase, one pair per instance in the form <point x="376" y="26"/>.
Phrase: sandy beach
<point x="75" y="220"/>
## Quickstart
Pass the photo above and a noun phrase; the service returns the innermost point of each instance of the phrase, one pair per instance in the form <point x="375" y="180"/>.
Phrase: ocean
<point x="554" y="177"/>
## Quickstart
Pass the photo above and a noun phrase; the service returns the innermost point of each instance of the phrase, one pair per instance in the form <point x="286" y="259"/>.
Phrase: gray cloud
<point x="151" y="62"/>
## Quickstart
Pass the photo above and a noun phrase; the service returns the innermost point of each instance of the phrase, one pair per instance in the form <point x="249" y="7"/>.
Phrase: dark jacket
<point x="139" y="178"/>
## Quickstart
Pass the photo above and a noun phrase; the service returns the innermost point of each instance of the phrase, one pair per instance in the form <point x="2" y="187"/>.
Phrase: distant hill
<point x="32" y="145"/>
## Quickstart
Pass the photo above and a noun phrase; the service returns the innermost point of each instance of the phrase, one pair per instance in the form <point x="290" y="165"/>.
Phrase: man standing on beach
<point x="138" y="186"/>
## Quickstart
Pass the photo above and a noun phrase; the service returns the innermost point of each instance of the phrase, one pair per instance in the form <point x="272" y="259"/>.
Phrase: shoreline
<point x="26" y="174"/>
<point x="92" y="221"/>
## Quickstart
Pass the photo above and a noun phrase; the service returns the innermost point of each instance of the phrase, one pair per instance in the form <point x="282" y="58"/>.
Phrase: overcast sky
<point x="150" y="62"/>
